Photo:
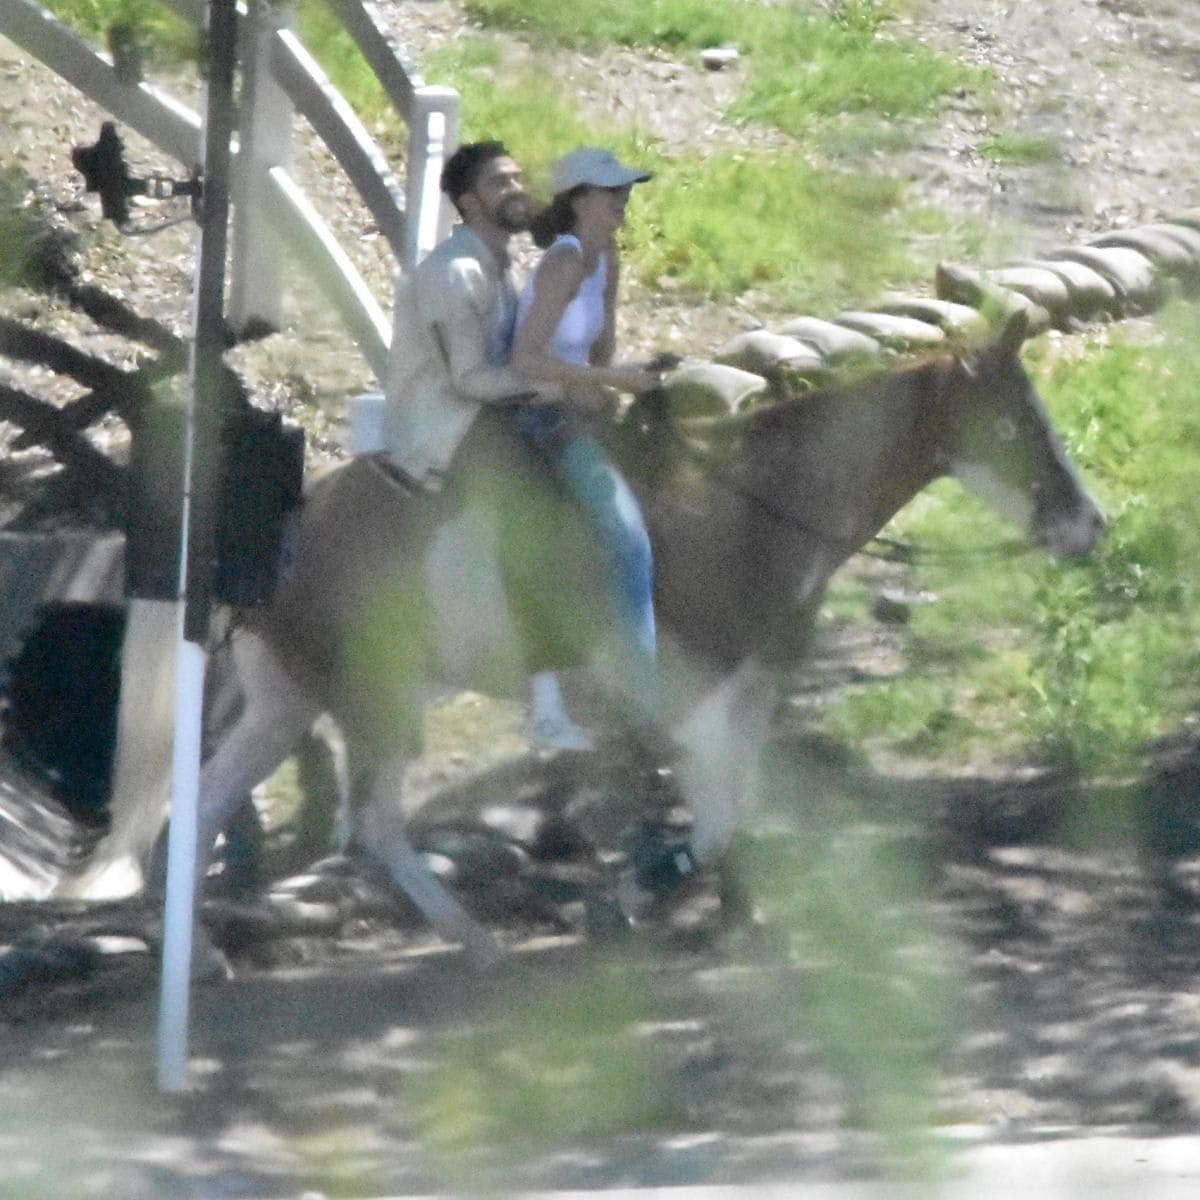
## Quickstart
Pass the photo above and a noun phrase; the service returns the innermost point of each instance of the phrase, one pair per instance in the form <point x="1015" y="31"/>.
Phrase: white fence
<point x="271" y="214"/>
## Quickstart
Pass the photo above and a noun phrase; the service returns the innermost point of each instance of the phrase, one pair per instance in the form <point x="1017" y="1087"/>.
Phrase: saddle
<point x="549" y="556"/>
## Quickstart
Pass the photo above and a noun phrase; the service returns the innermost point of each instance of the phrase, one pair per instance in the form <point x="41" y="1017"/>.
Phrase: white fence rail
<point x="273" y="219"/>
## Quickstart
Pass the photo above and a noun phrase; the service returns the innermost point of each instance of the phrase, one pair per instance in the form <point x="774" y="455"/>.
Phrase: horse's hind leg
<point x="380" y="834"/>
<point x="275" y="714"/>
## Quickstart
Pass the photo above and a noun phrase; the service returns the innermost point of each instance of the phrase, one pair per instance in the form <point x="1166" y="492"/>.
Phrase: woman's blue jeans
<point x="600" y="488"/>
<point x="610" y="501"/>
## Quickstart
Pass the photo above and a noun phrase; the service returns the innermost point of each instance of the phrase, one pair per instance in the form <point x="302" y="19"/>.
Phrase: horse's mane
<point x="780" y="412"/>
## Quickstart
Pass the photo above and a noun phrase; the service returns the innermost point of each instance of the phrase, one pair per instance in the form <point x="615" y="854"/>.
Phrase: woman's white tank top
<point x="582" y="319"/>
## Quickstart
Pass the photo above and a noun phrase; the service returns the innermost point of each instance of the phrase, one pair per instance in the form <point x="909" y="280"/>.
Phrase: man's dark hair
<point x="463" y="166"/>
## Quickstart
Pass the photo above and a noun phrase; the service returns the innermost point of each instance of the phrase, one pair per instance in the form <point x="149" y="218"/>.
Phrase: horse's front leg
<point x="380" y="836"/>
<point x="721" y="741"/>
<point x="719" y="746"/>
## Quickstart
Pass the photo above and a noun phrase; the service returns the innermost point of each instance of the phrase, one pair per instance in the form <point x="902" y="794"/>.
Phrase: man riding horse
<point x="454" y="402"/>
<point x="384" y="595"/>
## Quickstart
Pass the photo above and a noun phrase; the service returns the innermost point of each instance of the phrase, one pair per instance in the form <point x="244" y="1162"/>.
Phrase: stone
<point x="1090" y="293"/>
<point x="967" y="286"/>
<point x="900" y="333"/>
<point x="766" y="353"/>
<point x="711" y="390"/>
<point x="831" y="341"/>
<point x="952" y="318"/>
<point x="1132" y="274"/>
<point x="1042" y="287"/>
<point x="1164" y="251"/>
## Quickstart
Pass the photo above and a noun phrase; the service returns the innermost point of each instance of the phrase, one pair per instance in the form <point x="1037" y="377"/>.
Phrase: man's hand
<point x="594" y="401"/>
<point x="634" y="380"/>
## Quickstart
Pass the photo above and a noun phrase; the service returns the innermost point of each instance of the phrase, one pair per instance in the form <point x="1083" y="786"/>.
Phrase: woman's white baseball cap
<point x="593" y="166"/>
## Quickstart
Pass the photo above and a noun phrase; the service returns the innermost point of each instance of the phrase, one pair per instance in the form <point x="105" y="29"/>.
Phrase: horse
<point x="384" y="594"/>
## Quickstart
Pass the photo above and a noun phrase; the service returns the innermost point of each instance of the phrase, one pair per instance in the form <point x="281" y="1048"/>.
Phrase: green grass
<point x="707" y="226"/>
<point x="810" y="239"/>
<point x="166" y="38"/>
<point x="1019" y="148"/>
<point x="802" y="63"/>
<point x="1085" y="663"/>
<point x="804" y="70"/>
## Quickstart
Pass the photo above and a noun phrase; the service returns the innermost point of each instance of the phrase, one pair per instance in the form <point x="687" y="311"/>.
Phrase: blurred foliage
<point x="566" y="1063"/>
<point x="163" y="36"/>
<point x="16" y="227"/>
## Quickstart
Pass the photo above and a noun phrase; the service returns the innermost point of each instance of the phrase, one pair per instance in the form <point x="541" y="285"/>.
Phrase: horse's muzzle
<point x="1074" y="535"/>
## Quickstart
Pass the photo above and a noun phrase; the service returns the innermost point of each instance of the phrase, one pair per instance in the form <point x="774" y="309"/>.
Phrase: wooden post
<point x="202" y="447"/>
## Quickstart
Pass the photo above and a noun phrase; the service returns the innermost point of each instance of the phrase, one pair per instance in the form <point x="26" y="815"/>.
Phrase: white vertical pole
<point x="201" y="447"/>
<point x="179" y="906"/>
<point x="432" y="129"/>
<point x="264" y="142"/>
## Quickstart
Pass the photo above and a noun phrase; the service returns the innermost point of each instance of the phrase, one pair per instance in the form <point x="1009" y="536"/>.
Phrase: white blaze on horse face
<point x="997" y="493"/>
<point x="722" y="740"/>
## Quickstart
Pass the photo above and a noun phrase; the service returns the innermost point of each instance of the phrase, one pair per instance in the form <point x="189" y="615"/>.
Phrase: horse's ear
<point x="1012" y="335"/>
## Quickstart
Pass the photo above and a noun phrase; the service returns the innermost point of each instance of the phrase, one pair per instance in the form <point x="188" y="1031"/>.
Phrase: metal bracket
<point x="104" y="170"/>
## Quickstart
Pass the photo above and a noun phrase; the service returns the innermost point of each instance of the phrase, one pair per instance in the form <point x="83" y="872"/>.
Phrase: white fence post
<point x="432" y="137"/>
<point x="265" y="142"/>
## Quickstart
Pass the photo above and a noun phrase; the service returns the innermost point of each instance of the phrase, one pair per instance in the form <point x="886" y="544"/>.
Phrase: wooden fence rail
<point x="273" y="220"/>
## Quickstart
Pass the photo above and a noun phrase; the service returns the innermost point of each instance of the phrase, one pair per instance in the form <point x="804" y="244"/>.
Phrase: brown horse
<point x="747" y="533"/>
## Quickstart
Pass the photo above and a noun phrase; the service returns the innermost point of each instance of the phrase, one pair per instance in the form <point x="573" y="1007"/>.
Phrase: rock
<point x="711" y="390"/>
<point x="891" y="609"/>
<point x="1090" y="293"/>
<point x="1189" y="217"/>
<point x="1164" y="251"/>
<point x="952" y="318"/>
<point x="968" y="286"/>
<point x="1042" y="287"/>
<point x="1188" y="237"/>
<point x="831" y="341"/>
<point x="1131" y="273"/>
<point x="901" y="333"/>
<point x="717" y="58"/>
<point x="766" y="353"/>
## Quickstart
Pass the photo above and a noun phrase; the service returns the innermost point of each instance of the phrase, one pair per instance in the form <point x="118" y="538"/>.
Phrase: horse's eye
<point x="1006" y="429"/>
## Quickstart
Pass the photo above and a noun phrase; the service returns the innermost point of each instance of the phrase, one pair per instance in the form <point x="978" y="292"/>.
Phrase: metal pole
<point x="205" y="410"/>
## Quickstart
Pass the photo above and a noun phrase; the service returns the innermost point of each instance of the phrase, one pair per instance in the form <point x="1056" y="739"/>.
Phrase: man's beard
<point x="514" y="214"/>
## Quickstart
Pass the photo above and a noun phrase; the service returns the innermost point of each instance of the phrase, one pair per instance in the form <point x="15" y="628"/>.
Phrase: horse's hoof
<point x="660" y="863"/>
<point x="604" y="918"/>
<point x="209" y="965"/>
<point x="482" y="948"/>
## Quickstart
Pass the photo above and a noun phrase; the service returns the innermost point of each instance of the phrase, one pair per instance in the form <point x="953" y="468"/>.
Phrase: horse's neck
<point x="850" y="458"/>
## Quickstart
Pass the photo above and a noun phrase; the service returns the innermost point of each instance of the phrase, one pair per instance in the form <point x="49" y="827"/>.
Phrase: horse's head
<point x="999" y="442"/>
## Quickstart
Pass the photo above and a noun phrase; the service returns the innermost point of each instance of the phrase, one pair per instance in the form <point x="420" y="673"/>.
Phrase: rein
<point x="879" y="547"/>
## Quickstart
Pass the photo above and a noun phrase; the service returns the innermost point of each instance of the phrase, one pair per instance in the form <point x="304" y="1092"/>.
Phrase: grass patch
<point x="810" y="239"/>
<point x="707" y="226"/>
<point x="1019" y="148"/>
<point x="670" y="24"/>
<point x="803" y="62"/>
<point x="1102" y="656"/>
<point x="804" y="69"/>
<point x="165" y="38"/>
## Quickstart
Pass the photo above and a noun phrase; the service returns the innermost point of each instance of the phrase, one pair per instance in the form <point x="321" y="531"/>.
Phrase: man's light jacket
<point x="451" y="336"/>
